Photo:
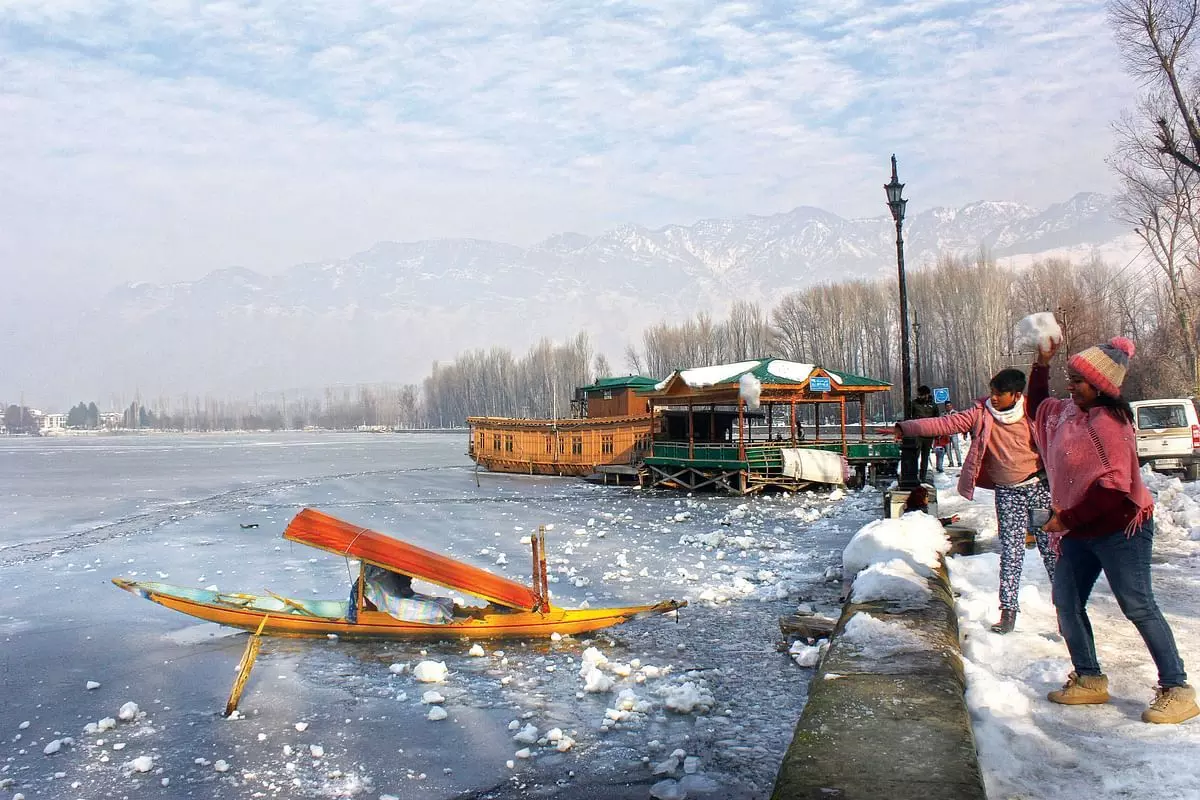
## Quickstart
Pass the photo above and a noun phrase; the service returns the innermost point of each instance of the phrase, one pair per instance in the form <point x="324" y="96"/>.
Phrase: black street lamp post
<point x="909" y="448"/>
<point x="916" y="327"/>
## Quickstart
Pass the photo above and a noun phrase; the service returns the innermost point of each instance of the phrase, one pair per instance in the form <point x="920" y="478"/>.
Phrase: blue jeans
<point x="1126" y="564"/>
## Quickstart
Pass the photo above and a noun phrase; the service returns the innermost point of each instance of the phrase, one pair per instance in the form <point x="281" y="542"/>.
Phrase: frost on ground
<point x="1031" y="748"/>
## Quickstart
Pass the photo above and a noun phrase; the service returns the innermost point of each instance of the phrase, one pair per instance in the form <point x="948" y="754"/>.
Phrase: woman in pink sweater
<point x="1002" y="457"/>
<point x="1103" y="520"/>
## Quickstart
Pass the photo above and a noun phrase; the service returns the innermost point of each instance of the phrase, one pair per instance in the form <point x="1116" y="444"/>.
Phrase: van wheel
<point x="1192" y="471"/>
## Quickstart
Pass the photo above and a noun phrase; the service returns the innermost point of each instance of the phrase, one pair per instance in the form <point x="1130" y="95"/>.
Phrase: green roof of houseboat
<point x="624" y="382"/>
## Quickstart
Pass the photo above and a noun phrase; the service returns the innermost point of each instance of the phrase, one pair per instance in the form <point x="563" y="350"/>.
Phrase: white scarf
<point x="1014" y="414"/>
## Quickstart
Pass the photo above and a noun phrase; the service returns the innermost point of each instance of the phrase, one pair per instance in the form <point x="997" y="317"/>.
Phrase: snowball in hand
<point x="1038" y="331"/>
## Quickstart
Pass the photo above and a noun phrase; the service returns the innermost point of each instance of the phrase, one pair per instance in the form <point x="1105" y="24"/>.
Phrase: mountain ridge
<point x="389" y="311"/>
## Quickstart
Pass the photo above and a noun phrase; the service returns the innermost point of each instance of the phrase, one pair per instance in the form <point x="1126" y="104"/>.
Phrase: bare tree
<point x="1159" y="155"/>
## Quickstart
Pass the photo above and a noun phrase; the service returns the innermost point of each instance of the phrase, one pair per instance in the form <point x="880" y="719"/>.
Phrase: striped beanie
<point x="1104" y="365"/>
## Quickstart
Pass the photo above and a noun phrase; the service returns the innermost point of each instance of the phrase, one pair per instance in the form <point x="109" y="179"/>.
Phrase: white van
<point x="1168" y="435"/>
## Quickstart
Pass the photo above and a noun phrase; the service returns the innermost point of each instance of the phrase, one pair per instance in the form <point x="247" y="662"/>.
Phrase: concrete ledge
<point x="896" y="727"/>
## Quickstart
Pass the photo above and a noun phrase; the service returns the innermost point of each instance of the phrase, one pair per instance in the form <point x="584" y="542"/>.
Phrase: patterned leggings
<point x="1013" y="504"/>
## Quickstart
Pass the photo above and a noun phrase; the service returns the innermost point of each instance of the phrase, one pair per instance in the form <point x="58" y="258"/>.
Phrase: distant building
<point x="52" y="422"/>
<point x="111" y="420"/>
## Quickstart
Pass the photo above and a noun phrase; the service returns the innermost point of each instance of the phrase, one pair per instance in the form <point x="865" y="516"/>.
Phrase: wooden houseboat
<point x="707" y="439"/>
<point x="613" y="430"/>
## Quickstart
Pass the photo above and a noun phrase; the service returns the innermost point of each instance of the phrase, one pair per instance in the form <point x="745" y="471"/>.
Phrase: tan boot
<point x="1080" y="690"/>
<point x="1171" y="706"/>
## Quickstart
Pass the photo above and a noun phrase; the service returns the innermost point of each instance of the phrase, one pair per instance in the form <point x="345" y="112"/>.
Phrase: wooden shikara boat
<point x="513" y="610"/>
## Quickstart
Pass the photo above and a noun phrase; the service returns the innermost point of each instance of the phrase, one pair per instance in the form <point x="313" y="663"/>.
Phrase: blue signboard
<point x="818" y="385"/>
<point x="941" y="395"/>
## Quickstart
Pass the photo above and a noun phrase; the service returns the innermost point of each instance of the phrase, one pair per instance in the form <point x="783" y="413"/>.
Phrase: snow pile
<point x="916" y="538"/>
<point x="892" y="580"/>
<point x="1177" y="507"/>
<point x="1038" y="331"/>
<point x="876" y="639"/>
<point x="749" y="390"/>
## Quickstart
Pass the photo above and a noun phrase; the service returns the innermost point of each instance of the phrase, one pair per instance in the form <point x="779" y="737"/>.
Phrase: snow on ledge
<point x="916" y="539"/>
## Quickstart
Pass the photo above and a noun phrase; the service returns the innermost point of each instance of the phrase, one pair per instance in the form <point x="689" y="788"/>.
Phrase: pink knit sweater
<point x="1083" y="449"/>
<point x="980" y="423"/>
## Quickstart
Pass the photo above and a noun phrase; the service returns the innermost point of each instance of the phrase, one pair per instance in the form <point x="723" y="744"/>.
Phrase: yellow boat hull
<point x="296" y="618"/>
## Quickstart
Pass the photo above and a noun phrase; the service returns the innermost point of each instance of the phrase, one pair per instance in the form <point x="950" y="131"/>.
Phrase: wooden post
<point x="712" y="423"/>
<point x="862" y="413"/>
<point x="362" y="582"/>
<point x="545" y="586"/>
<point x="691" y="433"/>
<point x="816" y="422"/>
<point x="793" y="419"/>
<point x="845" y="444"/>
<point x="770" y="419"/>
<point x="535" y="542"/>
<point x="741" y="428"/>
<point x="244" y="667"/>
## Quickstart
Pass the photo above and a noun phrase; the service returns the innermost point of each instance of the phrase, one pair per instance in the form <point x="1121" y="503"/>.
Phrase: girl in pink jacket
<point x="1002" y="457"/>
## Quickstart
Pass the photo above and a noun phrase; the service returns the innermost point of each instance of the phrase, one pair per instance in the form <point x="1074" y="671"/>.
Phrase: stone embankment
<point x="886" y="716"/>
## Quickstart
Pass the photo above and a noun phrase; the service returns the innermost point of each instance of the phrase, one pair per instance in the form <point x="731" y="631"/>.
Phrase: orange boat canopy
<point x="322" y="531"/>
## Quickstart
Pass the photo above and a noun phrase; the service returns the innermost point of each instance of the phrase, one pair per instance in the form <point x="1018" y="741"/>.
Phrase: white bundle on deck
<point x="1038" y="331"/>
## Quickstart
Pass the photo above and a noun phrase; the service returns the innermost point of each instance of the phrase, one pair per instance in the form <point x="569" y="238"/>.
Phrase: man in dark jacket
<point x="923" y="407"/>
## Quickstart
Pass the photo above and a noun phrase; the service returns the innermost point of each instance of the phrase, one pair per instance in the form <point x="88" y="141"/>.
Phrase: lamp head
<point x="895" y="192"/>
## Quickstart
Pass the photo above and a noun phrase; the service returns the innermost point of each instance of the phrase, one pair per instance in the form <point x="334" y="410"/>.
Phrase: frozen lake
<point x="78" y="511"/>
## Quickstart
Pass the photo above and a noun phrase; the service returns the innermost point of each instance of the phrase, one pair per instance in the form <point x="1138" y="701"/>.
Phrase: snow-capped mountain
<point x="387" y="313"/>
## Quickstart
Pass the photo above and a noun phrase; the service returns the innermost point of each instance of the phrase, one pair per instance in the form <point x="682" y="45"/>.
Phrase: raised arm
<point x="958" y="422"/>
<point x="1038" y="389"/>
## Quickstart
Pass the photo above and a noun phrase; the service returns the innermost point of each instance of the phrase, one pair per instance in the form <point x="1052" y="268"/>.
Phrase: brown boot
<point x="1080" y="690"/>
<point x="1173" y="705"/>
<point x="1008" y="621"/>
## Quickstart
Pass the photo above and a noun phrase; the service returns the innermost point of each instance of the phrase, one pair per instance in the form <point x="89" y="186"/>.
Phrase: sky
<point x="159" y="140"/>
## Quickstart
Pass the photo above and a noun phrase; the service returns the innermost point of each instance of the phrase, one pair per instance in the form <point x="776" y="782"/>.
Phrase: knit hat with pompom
<point x="1104" y="365"/>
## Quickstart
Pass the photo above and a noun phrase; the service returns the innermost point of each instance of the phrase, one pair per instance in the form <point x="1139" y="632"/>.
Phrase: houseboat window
<point x="607" y="394"/>
<point x="576" y="445"/>
<point x="508" y="443"/>
<point x="495" y="441"/>
<point x="561" y="444"/>
<point x="549" y="444"/>
<point x="481" y="438"/>
<point x="606" y="443"/>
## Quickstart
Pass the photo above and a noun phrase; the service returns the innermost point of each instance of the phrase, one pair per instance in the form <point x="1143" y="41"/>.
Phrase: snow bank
<point x="916" y="538"/>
